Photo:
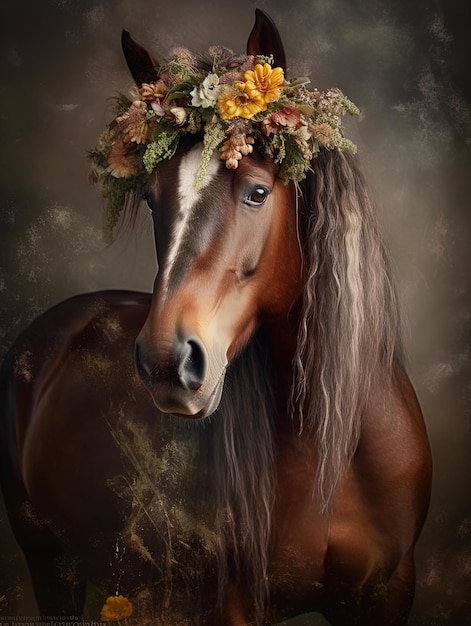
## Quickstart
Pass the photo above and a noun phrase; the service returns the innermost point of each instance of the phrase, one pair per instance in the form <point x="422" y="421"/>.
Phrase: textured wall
<point x="404" y="64"/>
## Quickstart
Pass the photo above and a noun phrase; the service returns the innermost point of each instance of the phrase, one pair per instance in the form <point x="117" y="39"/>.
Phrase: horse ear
<point x="265" y="39"/>
<point x="141" y="65"/>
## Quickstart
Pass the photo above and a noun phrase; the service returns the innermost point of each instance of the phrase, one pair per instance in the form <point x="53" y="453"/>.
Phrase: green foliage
<point x="290" y="152"/>
<point x="214" y="135"/>
<point x="115" y="192"/>
<point x="162" y="147"/>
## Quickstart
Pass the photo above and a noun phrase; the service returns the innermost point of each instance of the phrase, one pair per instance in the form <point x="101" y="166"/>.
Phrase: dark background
<point x="405" y="64"/>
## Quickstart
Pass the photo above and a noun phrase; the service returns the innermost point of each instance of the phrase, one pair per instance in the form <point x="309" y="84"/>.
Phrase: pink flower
<point x="158" y="108"/>
<point x="289" y="117"/>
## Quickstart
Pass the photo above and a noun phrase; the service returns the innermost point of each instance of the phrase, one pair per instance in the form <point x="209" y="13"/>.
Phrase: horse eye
<point x="257" y="197"/>
<point x="148" y="200"/>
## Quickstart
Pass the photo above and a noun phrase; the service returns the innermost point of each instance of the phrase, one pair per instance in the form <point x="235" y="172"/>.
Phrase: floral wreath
<point x="236" y="102"/>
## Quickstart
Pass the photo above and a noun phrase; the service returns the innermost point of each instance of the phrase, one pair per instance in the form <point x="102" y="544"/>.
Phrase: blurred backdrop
<point x="405" y="64"/>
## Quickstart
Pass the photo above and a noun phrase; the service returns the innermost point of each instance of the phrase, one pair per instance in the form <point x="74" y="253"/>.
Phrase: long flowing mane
<point x="243" y="469"/>
<point x="349" y="331"/>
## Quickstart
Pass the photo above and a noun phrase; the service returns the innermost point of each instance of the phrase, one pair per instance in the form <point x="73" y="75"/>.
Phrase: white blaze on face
<point x="188" y="197"/>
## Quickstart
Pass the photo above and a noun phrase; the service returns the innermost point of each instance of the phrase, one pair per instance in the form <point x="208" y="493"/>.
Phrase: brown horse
<point x="243" y="445"/>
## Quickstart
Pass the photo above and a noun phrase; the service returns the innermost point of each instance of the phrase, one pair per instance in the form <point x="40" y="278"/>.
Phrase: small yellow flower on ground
<point x="116" y="608"/>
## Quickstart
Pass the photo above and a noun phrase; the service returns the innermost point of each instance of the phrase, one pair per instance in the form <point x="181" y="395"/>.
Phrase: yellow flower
<point x="235" y="103"/>
<point x="264" y="83"/>
<point x="115" y="609"/>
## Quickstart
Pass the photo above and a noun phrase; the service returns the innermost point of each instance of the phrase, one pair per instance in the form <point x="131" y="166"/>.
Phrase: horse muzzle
<point x="177" y="376"/>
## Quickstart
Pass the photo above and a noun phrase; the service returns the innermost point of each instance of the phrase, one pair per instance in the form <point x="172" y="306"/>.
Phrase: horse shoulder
<point x="383" y="500"/>
<point x="393" y="459"/>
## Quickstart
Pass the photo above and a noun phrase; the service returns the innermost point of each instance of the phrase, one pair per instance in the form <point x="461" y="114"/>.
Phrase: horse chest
<point x="314" y="555"/>
<point x="300" y="532"/>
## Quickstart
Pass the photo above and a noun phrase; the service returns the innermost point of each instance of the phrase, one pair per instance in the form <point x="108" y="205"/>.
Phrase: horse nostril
<point x="183" y="367"/>
<point x="193" y="364"/>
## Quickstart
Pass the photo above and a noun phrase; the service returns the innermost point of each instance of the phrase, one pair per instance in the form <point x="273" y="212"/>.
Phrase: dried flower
<point x="116" y="608"/>
<point x="153" y="91"/>
<point x="179" y="115"/>
<point x="219" y="56"/>
<point x="183" y="56"/>
<point x="181" y="66"/>
<point x="241" y="62"/>
<point x="121" y="163"/>
<point x="233" y="77"/>
<point x="322" y="133"/>
<point x="134" y="124"/>
<point x="234" y="148"/>
<point x="239" y="100"/>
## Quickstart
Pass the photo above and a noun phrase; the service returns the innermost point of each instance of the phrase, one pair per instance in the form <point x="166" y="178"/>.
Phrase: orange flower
<point x="134" y="123"/>
<point x="116" y="608"/>
<point x="264" y="83"/>
<point x="121" y="163"/>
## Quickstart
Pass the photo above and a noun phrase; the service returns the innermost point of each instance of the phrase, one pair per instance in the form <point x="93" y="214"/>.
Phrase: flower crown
<point x="235" y="102"/>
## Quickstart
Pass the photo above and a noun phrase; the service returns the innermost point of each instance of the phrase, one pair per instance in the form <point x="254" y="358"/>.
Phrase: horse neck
<point x="297" y="450"/>
<point x="282" y="335"/>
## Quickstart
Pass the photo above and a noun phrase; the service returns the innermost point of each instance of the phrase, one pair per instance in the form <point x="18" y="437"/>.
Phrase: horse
<point x="243" y="445"/>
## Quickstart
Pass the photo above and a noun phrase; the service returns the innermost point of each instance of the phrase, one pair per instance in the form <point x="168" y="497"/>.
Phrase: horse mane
<point x="349" y="328"/>
<point x="243" y="468"/>
<point x="348" y="337"/>
<point x="128" y="217"/>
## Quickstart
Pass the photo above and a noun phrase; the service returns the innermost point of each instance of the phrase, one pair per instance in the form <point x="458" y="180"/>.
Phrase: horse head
<point x="219" y="245"/>
<point x="261" y="215"/>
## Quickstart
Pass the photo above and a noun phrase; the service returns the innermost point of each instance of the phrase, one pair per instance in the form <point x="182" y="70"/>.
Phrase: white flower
<point x="179" y="114"/>
<point x="207" y="93"/>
